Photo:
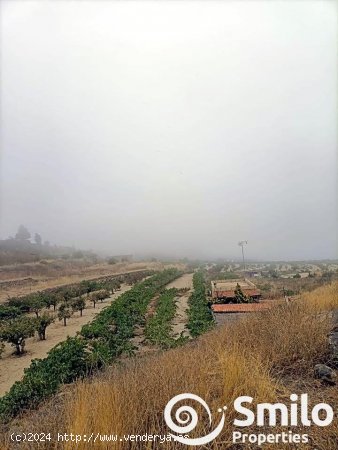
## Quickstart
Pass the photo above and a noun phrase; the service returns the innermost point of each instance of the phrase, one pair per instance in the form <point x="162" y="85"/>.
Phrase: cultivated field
<point x="21" y="279"/>
<point x="12" y="367"/>
<point x="268" y="355"/>
<point x="100" y="335"/>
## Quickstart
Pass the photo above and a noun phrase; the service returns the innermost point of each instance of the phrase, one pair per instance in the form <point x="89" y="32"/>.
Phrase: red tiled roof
<point x="240" y="307"/>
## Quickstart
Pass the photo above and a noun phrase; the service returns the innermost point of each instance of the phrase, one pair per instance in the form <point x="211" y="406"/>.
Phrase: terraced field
<point x="97" y="343"/>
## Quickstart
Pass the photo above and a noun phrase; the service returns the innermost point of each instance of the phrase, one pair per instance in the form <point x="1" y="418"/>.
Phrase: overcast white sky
<point x="174" y="128"/>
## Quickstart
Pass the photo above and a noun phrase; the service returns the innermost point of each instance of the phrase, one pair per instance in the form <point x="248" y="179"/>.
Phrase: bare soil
<point x="181" y="318"/>
<point x="185" y="281"/>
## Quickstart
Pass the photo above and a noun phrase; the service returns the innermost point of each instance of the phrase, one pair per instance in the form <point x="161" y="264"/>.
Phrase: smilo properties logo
<point x="187" y="417"/>
<point x="295" y="414"/>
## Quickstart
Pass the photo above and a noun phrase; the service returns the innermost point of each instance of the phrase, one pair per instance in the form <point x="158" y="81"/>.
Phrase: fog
<point x="171" y="128"/>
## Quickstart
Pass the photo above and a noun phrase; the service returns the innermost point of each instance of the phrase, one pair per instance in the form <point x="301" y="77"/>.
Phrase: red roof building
<point x="224" y="290"/>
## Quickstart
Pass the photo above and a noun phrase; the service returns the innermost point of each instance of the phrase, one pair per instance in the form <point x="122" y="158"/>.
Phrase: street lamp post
<point x="241" y="244"/>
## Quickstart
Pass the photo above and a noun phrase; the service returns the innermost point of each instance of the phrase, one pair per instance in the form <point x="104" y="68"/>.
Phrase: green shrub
<point x="16" y="331"/>
<point x="78" y="304"/>
<point x="9" y="312"/>
<point x="65" y="362"/>
<point x="158" y="328"/>
<point x="42" y="322"/>
<point x="65" y="312"/>
<point x="199" y="313"/>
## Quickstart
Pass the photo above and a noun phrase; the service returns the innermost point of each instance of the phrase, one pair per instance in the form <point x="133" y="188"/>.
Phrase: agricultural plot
<point x="55" y="313"/>
<point x="166" y="318"/>
<point x="98" y="344"/>
<point x="181" y="312"/>
<point x="12" y="367"/>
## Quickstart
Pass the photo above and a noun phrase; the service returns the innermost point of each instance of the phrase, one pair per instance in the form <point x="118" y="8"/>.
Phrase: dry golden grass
<point x="263" y="356"/>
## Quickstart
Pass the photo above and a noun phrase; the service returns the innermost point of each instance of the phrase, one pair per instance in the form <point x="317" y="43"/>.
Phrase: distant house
<point x="223" y="291"/>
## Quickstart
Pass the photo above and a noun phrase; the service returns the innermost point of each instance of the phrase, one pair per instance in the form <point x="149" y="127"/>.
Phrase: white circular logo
<point x="187" y="417"/>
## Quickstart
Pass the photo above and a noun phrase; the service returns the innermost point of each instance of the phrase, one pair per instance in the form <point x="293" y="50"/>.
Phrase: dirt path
<point x="12" y="367"/>
<point x="181" y="317"/>
<point x="185" y="281"/>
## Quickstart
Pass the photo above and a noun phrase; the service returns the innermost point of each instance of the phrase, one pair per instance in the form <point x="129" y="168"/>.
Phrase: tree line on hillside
<point x="25" y="247"/>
